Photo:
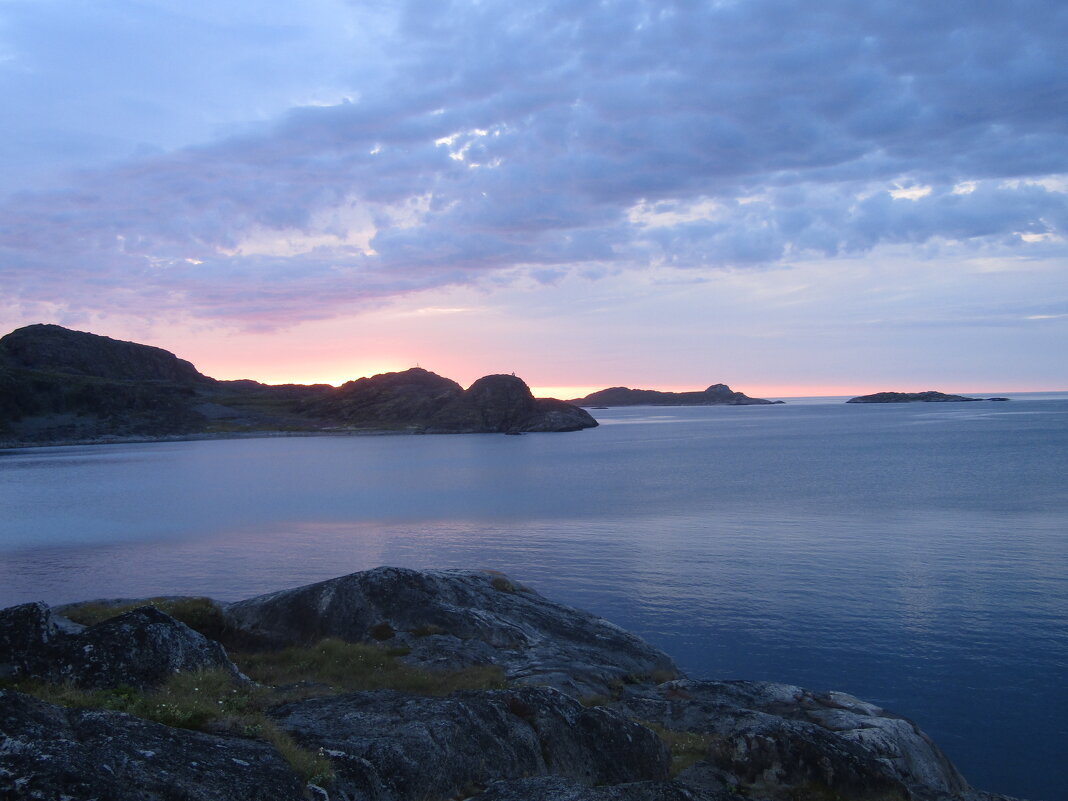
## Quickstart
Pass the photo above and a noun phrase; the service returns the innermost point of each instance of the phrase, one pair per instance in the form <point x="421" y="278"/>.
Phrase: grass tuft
<point x="206" y="700"/>
<point x="686" y="747"/>
<point x="347" y="666"/>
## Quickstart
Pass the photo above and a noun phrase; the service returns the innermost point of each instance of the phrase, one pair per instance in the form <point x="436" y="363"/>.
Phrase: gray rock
<point x="455" y="618"/>
<point x="388" y="746"/>
<point x="48" y="752"/>
<point x="554" y="788"/>
<point x="775" y="740"/>
<point x="141" y="648"/>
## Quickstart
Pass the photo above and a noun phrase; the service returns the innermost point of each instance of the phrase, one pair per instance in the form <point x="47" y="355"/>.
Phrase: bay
<point x="915" y="555"/>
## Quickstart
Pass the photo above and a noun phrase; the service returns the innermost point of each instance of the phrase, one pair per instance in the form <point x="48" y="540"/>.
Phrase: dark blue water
<point x="914" y="555"/>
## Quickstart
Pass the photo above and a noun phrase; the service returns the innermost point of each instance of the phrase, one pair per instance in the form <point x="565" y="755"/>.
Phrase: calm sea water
<point x="914" y="555"/>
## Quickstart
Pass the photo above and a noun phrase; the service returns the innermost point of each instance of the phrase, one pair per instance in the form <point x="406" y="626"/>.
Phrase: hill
<point x="59" y="385"/>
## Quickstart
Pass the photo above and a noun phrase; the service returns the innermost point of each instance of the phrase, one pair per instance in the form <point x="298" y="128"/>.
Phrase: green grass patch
<point x="686" y="747"/>
<point x="207" y="700"/>
<point x="595" y="700"/>
<point x="346" y="666"/>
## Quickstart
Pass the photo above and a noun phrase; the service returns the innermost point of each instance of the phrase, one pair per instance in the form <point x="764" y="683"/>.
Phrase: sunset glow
<point x="836" y="207"/>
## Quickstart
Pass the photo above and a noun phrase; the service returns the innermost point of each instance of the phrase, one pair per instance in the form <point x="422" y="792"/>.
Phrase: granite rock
<point x="457" y="618"/>
<point x="141" y="648"/>
<point x="389" y="746"/>
<point x="778" y="740"/>
<point x="49" y="752"/>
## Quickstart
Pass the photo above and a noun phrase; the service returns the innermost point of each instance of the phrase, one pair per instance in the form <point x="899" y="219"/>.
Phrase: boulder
<point x="457" y="618"/>
<point x="141" y="648"/>
<point x="389" y="746"/>
<point x="778" y="740"/>
<point x="48" y="752"/>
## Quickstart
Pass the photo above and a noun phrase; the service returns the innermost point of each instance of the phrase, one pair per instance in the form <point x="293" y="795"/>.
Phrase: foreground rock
<point x="452" y="619"/>
<point x="715" y="395"/>
<point x="48" y="752"/>
<point x="729" y="740"/>
<point x="777" y="741"/>
<point x="140" y="649"/>
<point x="58" y="385"/>
<point x="386" y="745"/>
<point x="914" y="397"/>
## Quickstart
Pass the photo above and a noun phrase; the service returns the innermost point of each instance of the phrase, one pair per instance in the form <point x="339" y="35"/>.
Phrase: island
<point x="915" y="397"/>
<point x="401" y="685"/>
<point x="64" y="386"/>
<point x="715" y="395"/>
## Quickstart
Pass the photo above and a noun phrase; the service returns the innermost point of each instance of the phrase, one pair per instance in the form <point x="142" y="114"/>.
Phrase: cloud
<point x="437" y="144"/>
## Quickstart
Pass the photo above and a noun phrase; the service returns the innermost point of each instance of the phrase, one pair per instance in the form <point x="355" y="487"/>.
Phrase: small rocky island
<point x="715" y="395"/>
<point x="400" y="685"/>
<point x="58" y="385"/>
<point x="915" y="397"/>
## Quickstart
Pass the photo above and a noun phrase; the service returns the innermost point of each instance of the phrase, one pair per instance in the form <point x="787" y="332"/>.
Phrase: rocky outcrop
<point x="390" y="746"/>
<point x="52" y="348"/>
<point x="58" y="385"/>
<point x="913" y="397"/>
<point x="715" y="395"/>
<point x="451" y="619"/>
<point x="48" y="752"/>
<point x="418" y="400"/>
<point x="729" y="740"/>
<point x="141" y="648"/>
<point x="776" y="741"/>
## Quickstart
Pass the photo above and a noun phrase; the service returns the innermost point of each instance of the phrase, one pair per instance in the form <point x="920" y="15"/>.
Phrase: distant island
<point x="715" y="395"/>
<point x="915" y="397"/>
<point x="59" y="385"/>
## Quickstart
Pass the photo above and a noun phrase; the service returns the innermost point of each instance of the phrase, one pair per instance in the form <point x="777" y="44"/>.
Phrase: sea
<point x="914" y="555"/>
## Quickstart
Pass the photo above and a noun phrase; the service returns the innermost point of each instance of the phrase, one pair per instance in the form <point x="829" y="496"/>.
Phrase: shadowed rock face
<point x="420" y="400"/>
<point x="393" y="746"/>
<point x="141" y="648"/>
<point x="715" y="395"/>
<point x="57" y="349"/>
<point x="48" y="752"/>
<point x="457" y="618"/>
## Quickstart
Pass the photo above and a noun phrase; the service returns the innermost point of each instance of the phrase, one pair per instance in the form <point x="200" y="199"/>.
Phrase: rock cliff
<point x="542" y="736"/>
<point x="58" y="385"/>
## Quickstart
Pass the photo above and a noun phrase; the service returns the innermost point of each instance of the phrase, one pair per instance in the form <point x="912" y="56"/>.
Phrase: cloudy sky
<point x="815" y="197"/>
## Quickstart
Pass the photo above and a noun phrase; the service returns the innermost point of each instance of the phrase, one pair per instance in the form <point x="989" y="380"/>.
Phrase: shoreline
<point x="426" y="674"/>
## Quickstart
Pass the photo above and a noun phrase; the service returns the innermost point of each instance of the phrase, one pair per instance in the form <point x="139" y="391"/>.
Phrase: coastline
<point x="477" y="687"/>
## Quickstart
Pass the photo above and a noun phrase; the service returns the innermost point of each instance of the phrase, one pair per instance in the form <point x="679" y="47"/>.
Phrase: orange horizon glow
<point x="314" y="374"/>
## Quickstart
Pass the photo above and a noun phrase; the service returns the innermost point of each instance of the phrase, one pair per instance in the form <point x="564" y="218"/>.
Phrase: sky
<point x="794" y="198"/>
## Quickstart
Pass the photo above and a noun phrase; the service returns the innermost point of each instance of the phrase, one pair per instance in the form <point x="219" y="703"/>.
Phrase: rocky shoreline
<point x="395" y="684"/>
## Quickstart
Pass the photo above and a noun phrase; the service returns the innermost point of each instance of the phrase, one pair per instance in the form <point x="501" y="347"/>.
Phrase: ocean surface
<point x="914" y="555"/>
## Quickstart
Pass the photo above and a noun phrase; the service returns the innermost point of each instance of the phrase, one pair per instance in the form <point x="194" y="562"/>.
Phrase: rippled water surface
<point x="915" y="555"/>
